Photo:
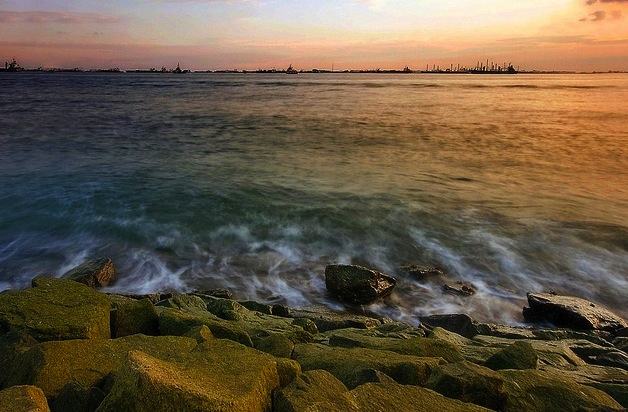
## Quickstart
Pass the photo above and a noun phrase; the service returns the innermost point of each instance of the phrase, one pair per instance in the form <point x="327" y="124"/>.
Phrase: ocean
<point x="255" y="182"/>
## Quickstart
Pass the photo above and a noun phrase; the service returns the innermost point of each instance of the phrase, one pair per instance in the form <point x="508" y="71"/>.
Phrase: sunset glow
<point x="250" y="34"/>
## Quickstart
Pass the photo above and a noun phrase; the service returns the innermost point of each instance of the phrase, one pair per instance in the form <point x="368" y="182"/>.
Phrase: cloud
<point x="44" y="17"/>
<point x="603" y="11"/>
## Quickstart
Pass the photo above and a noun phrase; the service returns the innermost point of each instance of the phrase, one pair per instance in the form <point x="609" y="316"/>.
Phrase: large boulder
<point x="348" y="364"/>
<point x="94" y="273"/>
<point x="56" y="309"/>
<point x="12" y="345"/>
<point x="535" y="391"/>
<point x="469" y="383"/>
<point x="356" y="284"/>
<point x="23" y="399"/>
<point x="571" y="312"/>
<point x="313" y="390"/>
<point x="53" y="365"/>
<point x="215" y="376"/>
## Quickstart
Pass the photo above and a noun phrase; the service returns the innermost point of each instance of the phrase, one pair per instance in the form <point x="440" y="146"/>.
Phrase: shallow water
<point x="256" y="182"/>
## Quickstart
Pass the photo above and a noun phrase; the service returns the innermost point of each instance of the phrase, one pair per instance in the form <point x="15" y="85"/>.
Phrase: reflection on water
<point x="256" y="182"/>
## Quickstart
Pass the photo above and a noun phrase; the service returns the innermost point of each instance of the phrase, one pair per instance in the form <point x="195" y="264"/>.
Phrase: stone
<point x="374" y="376"/>
<point x="313" y="390"/>
<point x="95" y="273"/>
<point x="536" y="390"/>
<point x="326" y="320"/>
<point x="447" y="336"/>
<point x="56" y="309"/>
<point x="182" y="301"/>
<point x="621" y="343"/>
<point x="215" y="376"/>
<point x="199" y="333"/>
<point x="87" y="362"/>
<point x="278" y="345"/>
<point x="378" y="397"/>
<point x="347" y="364"/>
<point x="177" y="322"/>
<point x="23" y="399"/>
<point x="227" y="309"/>
<point x="215" y="293"/>
<point x="12" y="345"/>
<point x="459" y="288"/>
<point x="571" y="312"/>
<point x="519" y="355"/>
<point x="77" y="398"/>
<point x="469" y="382"/>
<point x="357" y="284"/>
<point x="459" y="323"/>
<point x="308" y="325"/>
<point x="136" y="316"/>
<point x="422" y="272"/>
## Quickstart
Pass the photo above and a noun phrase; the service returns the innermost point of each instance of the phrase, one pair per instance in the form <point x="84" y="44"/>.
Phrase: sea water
<point x="254" y="183"/>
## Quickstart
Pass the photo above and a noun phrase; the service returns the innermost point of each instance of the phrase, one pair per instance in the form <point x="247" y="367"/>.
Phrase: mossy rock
<point x="199" y="333"/>
<point x="215" y="376"/>
<point x="519" y="355"/>
<point x="130" y="318"/>
<point x="313" y="390"/>
<point x="347" y="364"/>
<point x="469" y="383"/>
<point x="417" y="346"/>
<point x="56" y="309"/>
<point x="306" y="324"/>
<point x="77" y="398"/>
<point x="448" y="336"/>
<point x="24" y="398"/>
<point x="52" y="365"/>
<point x="540" y="391"/>
<point x="183" y="301"/>
<point x="227" y="309"/>
<point x="278" y="345"/>
<point x="12" y="345"/>
<point x="377" y="397"/>
<point x="326" y="320"/>
<point x="179" y="322"/>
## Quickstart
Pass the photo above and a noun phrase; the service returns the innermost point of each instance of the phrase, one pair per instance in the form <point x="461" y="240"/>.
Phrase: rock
<point x="459" y="288"/>
<point x="278" y="345"/>
<point x="373" y="376"/>
<point x="621" y="343"/>
<point x="422" y="272"/>
<point x="52" y="365"/>
<point x="12" y="345"/>
<point x="378" y="397"/>
<point x="256" y="306"/>
<point x="56" y="309"/>
<point x="94" y="273"/>
<point x="356" y="284"/>
<point x="227" y="309"/>
<point x="23" y="399"/>
<point x="460" y="323"/>
<point x="469" y="383"/>
<point x="313" y="390"/>
<point x="325" y="320"/>
<point x="571" y="312"/>
<point x="447" y="336"/>
<point x="347" y="364"/>
<point x="77" y="398"/>
<point x="181" y="301"/>
<point x="215" y="376"/>
<point x="595" y="354"/>
<point x="216" y="293"/>
<point x="177" y="323"/>
<point x="534" y="390"/>
<point x="199" y="333"/>
<point x="519" y="355"/>
<point x="307" y="324"/>
<point x="136" y="316"/>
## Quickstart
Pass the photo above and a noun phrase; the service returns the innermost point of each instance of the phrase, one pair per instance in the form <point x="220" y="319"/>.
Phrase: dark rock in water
<point x="95" y="273"/>
<point x="460" y="288"/>
<point x="571" y="312"/>
<point x="422" y="272"/>
<point x="357" y="284"/>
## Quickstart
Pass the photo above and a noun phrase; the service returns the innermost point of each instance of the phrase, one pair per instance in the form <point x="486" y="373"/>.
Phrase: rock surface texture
<point x="356" y="284"/>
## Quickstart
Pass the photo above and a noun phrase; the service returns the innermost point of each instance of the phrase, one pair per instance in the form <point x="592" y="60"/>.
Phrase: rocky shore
<point x="65" y="346"/>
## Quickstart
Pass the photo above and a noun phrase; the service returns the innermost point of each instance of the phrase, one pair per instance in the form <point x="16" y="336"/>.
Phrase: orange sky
<point x="249" y="34"/>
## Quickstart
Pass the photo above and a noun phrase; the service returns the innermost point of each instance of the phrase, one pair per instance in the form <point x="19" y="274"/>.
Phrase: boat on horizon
<point x="291" y="70"/>
<point x="11" y="66"/>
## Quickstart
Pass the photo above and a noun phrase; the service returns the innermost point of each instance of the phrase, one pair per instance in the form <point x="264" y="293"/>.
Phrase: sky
<point x="581" y="35"/>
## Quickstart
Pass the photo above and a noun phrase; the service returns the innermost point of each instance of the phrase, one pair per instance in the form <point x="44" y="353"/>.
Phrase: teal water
<point x="255" y="182"/>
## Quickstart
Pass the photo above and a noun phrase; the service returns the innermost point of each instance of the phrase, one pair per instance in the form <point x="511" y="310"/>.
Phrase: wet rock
<point x="519" y="355"/>
<point x="23" y="399"/>
<point x="77" y="398"/>
<point x="94" y="273"/>
<point x="422" y="272"/>
<point x="460" y="323"/>
<point x="135" y="316"/>
<point x="325" y="320"/>
<point x="348" y="364"/>
<point x="469" y="383"/>
<point x="87" y="362"/>
<point x="459" y="288"/>
<point x="377" y="397"/>
<point x="357" y="284"/>
<point x="215" y="376"/>
<point x="56" y="309"/>
<point x="533" y="390"/>
<point x="571" y="312"/>
<point x="314" y="390"/>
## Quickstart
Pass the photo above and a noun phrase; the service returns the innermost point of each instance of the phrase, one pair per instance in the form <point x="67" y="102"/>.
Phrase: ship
<point x="291" y="70"/>
<point x="11" y="66"/>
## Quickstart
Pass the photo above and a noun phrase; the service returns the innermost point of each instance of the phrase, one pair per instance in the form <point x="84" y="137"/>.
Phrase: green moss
<point x="23" y="399"/>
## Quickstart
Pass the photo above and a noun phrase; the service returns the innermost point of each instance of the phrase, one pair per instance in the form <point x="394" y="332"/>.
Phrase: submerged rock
<point x="571" y="312"/>
<point x="422" y="272"/>
<point x="94" y="273"/>
<point x="459" y="288"/>
<point x="356" y="284"/>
